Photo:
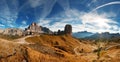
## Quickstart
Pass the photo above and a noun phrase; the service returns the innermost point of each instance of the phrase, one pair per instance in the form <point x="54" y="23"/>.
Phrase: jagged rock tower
<point x="68" y="29"/>
<point x="33" y="29"/>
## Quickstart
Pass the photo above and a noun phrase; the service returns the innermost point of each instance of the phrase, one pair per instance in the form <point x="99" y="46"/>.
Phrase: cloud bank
<point x="92" y="21"/>
<point x="81" y="21"/>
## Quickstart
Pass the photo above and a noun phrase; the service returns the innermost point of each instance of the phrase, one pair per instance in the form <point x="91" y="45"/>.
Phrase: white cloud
<point x="93" y="21"/>
<point x="8" y="14"/>
<point x="94" y="1"/>
<point x="35" y="3"/>
<point x="110" y="3"/>
<point x="1" y="25"/>
<point x="23" y="27"/>
<point x="99" y="22"/>
<point x="44" y="22"/>
<point x="24" y="22"/>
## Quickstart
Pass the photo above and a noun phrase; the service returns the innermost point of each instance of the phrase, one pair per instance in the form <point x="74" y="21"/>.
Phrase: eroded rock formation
<point x="68" y="29"/>
<point x="33" y="29"/>
<point x="13" y="31"/>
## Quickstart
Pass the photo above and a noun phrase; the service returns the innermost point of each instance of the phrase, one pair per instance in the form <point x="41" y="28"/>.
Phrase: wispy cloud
<point x="94" y="1"/>
<point x="110" y="3"/>
<point x="23" y="26"/>
<point x="24" y="22"/>
<point x="36" y="3"/>
<point x="8" y="14"/>
<point x="93" y="21"/>
<point x="96" y="22"/>
<point x="1" y="25"/>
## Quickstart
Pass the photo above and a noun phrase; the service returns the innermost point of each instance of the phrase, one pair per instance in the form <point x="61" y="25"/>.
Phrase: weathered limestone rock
<point x="68" y="29"/>
<point x="33" y="29"/>
<point x="13" y="31"/>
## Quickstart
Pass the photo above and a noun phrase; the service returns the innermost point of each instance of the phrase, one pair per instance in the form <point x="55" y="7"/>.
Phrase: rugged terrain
<point x="57" y="48"/>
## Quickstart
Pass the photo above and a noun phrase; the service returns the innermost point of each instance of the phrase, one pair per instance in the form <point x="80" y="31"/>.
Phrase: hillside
<point x="82" y="34"/>
<point x="45" y="48"/>
<point x="62" y="47"/>
<point x="106" y="36"/>
<point x="55" y="48"/>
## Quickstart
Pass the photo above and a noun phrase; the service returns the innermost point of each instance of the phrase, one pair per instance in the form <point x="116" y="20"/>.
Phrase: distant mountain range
<point x="33" y="28"/>
<point x="82" y="34"/>
<point x="104" y="36"/>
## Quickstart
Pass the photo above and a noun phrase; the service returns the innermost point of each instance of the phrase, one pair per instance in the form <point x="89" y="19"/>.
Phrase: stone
<point x="1" y="30"/>
<point x="33" y="29"/>
<point x="46" y="30"/>
<point x="68" y="29"/>
<point x="13" y="31"/>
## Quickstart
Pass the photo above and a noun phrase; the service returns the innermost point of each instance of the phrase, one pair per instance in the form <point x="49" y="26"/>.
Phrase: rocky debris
<point x="13" y="31"/>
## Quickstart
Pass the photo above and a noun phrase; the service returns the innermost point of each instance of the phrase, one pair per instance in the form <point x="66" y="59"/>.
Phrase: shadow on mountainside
<point x="54" y="48"/>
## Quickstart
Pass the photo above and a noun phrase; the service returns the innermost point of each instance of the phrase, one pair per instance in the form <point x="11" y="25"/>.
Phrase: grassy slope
<point x="59" y="47"/>
<point x="64" y="42"/>
<point x="46" y="48"/>
<point x="50" y="48"/>
<point x="9" y="37"/>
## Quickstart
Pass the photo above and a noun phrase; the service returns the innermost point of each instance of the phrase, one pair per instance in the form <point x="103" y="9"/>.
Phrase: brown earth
<point x="51" y="48"/>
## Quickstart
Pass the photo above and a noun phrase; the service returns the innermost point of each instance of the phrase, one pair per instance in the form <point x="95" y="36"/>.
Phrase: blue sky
<point x="83" y="15"/>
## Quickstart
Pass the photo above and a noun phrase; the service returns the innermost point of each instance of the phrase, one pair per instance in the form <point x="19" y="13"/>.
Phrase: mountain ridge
<point x="82" y="34"/>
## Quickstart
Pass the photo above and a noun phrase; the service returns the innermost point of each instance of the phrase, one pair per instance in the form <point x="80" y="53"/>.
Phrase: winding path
<point x="22" y="40"/>
<point x="118" y="45"/>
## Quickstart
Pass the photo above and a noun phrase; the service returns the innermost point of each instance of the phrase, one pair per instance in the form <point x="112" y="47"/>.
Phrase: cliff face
<point x="68" y="29"/>
<point x="1" y="30"/>
<point x="12" y="31"/>
<point x="46" y="30"/>
<point x="36" y="29"/>
<point x="33" y="29"/>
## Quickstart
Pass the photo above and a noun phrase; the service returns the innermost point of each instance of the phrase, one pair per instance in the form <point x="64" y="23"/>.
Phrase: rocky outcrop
<point x="1" y="30"/>
<point x="13" y="31"/>
<point x="33" y="29"/>
<point x="36" y="29"/>
<point x="68" y="29"/>
<point x="46" y="30"/>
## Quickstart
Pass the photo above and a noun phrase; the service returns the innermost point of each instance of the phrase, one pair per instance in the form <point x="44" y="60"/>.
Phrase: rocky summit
<point x="36" y="29"/>
<point x="33" y="29"/>
<point x="12" y="31"/>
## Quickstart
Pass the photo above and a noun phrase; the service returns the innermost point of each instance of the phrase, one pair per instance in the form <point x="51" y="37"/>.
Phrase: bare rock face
<point x="68" y="29"/>
<point x="33" y="29"/>
<point x="13" y="31"/>
<point x="36" y="29"/>
<point x="1" y="30"/>
<point x="46" y="30"/>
